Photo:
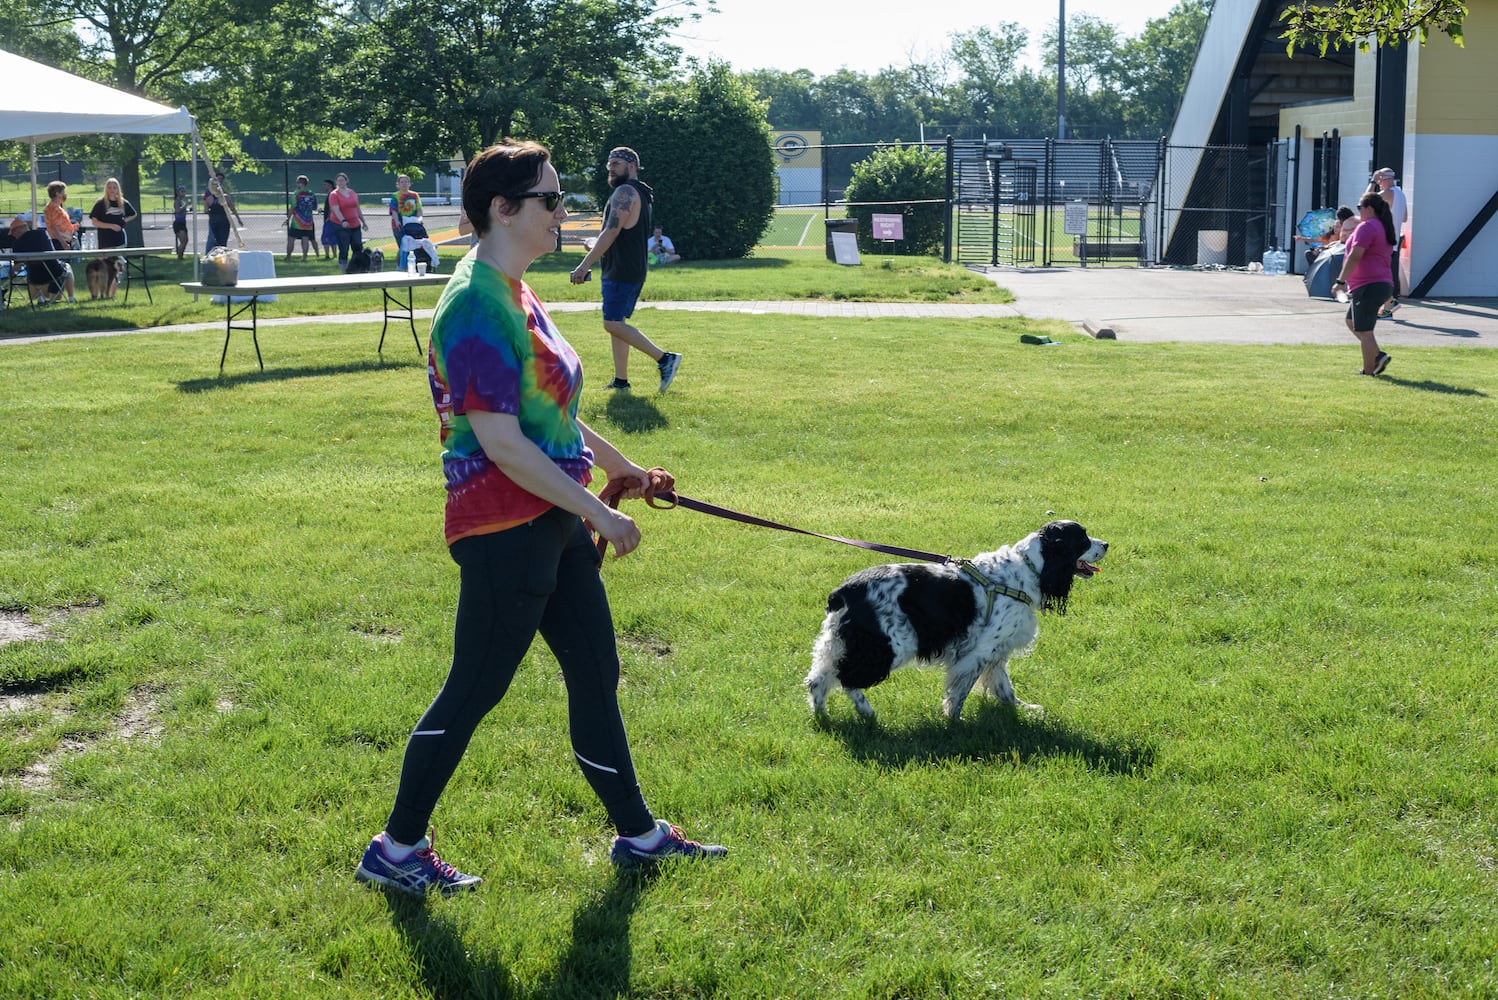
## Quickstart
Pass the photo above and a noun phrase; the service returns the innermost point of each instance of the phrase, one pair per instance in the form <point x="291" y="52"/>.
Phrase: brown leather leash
<point x="661" y="494"/>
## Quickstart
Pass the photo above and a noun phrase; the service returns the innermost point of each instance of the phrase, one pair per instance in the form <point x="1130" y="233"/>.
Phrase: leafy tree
<point x="857" y="107"/>
<point x="988" y="59"/>
<point x="704" y="147"/>
<point x="894" y="178"/>
<point x="1091" y="53"/>
<point x="1154" y="66"/>
<point x="792" y="102"/>
<point x="449" y="77"/>
<point x="31" y="30"/>
<point x="1321" y="25"/>
<point x="196" y="53"/>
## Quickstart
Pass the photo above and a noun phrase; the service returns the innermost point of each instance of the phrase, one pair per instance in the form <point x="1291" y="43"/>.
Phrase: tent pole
<point x="33" y="182"/>
<point x="197" y="146"/>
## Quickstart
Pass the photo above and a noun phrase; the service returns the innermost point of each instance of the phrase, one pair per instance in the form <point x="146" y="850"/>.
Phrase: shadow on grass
<point x="596" y="964"/>
<point x="633" y="414"/>
<point x="1429" y="386"/>
<point x="284" y="374"/>
<point x="988" y="731"/>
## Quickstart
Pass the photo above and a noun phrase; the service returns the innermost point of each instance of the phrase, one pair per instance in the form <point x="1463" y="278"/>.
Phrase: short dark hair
<point x="497" y="172"/>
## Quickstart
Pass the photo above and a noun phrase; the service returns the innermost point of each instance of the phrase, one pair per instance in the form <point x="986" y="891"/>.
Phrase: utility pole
<point x="1061" y="73"/>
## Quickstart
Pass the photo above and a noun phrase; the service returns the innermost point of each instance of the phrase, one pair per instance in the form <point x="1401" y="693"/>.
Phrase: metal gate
<point x="994" y="204"/>
<point x="1010" y="198"/>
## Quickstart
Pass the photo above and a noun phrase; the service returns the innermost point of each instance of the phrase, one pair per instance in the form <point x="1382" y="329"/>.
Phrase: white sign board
<point x="1076" y="219"/>
<point x="889" y="227"/>
<point x="845" y="248"/>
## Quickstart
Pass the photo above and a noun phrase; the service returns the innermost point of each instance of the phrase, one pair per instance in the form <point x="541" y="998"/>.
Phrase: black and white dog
<point x="970" y="616"/>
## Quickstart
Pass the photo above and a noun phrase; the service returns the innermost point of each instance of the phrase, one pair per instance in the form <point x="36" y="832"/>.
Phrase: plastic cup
<point x="421" y="267"/>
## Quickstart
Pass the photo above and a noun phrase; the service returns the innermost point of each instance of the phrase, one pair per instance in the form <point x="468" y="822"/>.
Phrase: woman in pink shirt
<point x="348" y="222"/>
<point x="1368" y="277"/>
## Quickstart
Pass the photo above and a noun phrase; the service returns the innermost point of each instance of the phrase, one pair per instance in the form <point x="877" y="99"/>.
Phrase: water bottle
<point x="1267" y="261"/>
<point x="411" y="261"/>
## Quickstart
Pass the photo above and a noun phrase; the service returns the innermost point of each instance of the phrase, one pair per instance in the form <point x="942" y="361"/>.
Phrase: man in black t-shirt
<point x="621" y="247"/>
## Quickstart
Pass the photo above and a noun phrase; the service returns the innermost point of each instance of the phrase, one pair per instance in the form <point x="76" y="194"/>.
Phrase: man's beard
<point x="616" y="179"/>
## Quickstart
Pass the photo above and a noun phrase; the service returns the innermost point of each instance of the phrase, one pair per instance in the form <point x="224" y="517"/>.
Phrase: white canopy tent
<point x="39" y="103"/>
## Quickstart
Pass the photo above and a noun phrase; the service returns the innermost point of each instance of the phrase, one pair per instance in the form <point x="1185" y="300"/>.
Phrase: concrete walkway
<point x="1130" y="304"/>
<point x="1229" y="307"/>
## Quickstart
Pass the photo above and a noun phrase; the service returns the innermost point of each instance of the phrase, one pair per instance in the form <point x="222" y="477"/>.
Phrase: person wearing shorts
<point x="621" y="247"/>
<point x="179" y="220"/>
<point x="1367" y="276"/>
<point x="301" y="218"/>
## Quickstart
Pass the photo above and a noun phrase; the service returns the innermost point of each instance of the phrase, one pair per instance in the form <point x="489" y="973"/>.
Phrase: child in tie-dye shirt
<point x="300" y="219"/>
<point x="408" y="225"/>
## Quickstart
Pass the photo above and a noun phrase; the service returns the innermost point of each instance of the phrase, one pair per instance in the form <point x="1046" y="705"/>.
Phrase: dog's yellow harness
<point x="991" y="588"/>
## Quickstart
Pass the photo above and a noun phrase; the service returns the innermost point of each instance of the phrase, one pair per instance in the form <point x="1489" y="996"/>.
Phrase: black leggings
<point x="541" y="576"/>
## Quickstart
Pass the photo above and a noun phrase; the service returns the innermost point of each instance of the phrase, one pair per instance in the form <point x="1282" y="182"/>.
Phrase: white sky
<point x="826" y="35"/>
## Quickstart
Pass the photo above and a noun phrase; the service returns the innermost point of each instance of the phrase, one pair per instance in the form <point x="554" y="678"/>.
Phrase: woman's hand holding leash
<point x="629" y="485"/>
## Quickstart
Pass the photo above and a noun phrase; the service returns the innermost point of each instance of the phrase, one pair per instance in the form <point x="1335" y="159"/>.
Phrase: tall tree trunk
<point x="130" y="187"/>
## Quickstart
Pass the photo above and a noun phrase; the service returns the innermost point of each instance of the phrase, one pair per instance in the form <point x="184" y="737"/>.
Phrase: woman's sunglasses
<point x="551" y="199"/>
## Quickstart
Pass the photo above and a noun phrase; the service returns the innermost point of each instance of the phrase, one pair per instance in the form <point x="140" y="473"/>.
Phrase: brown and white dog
<point x="970" y="616"/>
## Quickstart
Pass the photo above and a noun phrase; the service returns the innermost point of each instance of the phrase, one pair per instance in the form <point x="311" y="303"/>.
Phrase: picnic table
<point x="135" y="262"/>
<point x="249" y="290"/>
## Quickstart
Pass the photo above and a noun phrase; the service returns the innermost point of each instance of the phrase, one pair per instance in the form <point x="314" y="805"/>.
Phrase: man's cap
<point x="626" y="154"/>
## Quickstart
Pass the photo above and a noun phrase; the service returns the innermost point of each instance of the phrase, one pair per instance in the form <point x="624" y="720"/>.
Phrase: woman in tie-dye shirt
<point x="518" y="461"/>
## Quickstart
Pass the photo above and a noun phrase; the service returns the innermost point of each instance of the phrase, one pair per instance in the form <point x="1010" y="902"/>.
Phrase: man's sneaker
<point x="418" y="874"/>
<point x="672" y="845"/>
<point x="1381" y="363"/>
<point x="618" y="383"/>
<point x="668" y="364"/>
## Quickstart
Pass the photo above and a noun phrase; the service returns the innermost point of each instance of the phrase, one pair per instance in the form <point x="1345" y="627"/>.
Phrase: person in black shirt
<point x="621" y="247"/>
<point x="109" y="215"/>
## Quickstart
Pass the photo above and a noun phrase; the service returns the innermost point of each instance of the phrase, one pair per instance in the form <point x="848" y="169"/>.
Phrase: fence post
<point x="946" y="247"/>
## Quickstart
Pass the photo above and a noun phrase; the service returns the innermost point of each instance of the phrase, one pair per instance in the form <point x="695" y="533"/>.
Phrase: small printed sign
<point x="1076" y="219"/>
<point x="845" y="249"/>
<point x="889" y="227"/>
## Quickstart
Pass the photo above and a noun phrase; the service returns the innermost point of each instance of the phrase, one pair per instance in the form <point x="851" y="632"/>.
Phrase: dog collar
<point x="991" y="588"/>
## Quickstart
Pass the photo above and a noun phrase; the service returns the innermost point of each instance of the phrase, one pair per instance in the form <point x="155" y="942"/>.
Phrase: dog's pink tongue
<point x="1086" y="567"/>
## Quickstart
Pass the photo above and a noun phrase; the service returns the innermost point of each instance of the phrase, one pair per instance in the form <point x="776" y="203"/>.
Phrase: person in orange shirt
<point x="60" y="228"/>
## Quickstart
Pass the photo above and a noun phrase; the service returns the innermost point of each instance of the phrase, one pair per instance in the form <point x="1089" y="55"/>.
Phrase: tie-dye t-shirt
<point x="302" y="210"/>
<point x="407" y="206"/>
<point x="494" y="348"/>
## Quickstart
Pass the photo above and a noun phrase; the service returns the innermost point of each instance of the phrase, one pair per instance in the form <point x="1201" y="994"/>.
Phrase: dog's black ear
<point x="1062" y="543"/>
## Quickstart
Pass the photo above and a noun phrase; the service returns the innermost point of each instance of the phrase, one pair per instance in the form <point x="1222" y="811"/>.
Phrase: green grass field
<point x="1266" y="768"/>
